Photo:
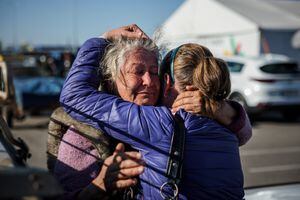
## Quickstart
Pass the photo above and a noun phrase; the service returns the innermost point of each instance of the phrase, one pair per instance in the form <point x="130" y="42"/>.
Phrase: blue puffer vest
<point x="212" y="168"/>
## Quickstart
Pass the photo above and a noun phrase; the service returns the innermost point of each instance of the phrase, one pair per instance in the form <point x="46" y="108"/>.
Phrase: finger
<point x="186" y="98"/>
<point x="119" y="157"/>
<point x="138" y="30"/>
<point x="144" y="36"/>
<point x="129" y="164"/>
<point x="182" y="102"/>
<point x="128" y="27"/>
<point x="125" y="173"/>
<point x="191" y="108"/>
<point x="134" y="31"/>
<point x="129" y="172"/>
<point x="128" y="32"/>
<point x="187" y="94"/>
<point x="131" y="35"/>
<point x="119" y="148"/>
<point x="108" y="161"/>
<point x="114" y="160"/>
<point x="133" y="155"/>
<point x="187" y="101"/>
<point x="187" y="104"/>
<point x="174" y="110"/>
<point x="121" y="184"/>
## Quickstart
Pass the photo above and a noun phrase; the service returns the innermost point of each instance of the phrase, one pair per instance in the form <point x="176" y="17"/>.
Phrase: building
<point x="230" y="27"/>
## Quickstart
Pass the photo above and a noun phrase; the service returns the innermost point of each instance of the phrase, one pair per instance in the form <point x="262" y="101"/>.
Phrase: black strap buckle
<point x="163" y="188"/>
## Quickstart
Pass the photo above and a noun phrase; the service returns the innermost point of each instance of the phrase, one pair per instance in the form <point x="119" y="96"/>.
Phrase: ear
<point x="167" y="84"/>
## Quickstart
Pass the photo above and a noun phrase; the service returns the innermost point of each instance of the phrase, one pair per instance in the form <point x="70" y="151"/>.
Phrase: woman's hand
<point x="119" y="170"/>
<point x="130" y="31"/>
<point x="190" y="101"/>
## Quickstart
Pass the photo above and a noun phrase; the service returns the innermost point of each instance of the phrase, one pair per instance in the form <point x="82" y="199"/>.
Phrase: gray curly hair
<point x="115" y="57"/>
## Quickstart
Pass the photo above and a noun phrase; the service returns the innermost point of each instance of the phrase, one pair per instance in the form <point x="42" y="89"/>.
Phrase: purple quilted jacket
<point x="212" y="168"/>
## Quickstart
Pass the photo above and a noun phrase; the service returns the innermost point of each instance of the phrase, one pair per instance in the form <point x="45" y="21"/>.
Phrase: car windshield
<point x="29" y="65"/>
<point x="235" y="66"/>
<point x="281" y="68"/>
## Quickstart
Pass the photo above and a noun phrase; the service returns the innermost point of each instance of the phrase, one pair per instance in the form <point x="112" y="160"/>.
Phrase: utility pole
<point x="75" y="28"/>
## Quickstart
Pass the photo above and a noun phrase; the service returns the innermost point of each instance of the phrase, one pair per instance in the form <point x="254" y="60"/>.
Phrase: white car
<point x="267" y="82"/>
<point x="277" y="192"/>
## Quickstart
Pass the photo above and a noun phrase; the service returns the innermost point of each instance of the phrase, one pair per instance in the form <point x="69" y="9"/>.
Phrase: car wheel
<point x="290" y="115"/>
<point x="240" y="99"/>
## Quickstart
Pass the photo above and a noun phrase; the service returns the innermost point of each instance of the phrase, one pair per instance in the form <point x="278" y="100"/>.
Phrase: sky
<point x="65" y="22"/>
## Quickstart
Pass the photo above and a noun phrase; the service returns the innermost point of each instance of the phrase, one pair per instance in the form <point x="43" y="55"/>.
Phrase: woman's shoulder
<point x="204" y="125"/>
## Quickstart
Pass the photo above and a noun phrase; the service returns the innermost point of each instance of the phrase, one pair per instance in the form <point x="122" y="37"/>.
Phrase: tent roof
<point x="268" y="14"/>
<point x="205" y="18"/>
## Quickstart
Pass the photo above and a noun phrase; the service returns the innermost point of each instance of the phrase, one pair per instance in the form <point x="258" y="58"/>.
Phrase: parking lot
<point x="273" y="154"/>
<point x="271" y="157"/>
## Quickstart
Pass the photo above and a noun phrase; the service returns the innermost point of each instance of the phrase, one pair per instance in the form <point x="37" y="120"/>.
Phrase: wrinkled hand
<point x="130" y="31"/>
<point x="190" y="101"/>
<point x="119" y="170"/>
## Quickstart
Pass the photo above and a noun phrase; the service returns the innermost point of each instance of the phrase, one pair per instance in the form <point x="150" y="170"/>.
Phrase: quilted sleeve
<point x="136" y="125"/>
<point x="241" y="125"/>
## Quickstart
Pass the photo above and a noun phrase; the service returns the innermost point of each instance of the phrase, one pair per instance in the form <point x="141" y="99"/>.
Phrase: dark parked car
<point x="37" y="81"/>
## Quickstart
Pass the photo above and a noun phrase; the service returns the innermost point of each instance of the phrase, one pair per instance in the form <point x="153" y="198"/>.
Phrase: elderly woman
<point x="143" y="126"/>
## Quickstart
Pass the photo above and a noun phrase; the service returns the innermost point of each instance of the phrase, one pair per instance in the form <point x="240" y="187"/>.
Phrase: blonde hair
<point x="195" y="65"/>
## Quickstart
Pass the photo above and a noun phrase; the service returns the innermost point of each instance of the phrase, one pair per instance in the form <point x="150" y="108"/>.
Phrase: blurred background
<point x="259" y="39"/>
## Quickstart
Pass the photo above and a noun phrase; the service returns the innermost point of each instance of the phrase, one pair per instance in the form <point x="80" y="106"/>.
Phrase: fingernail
<point x="139" y="155"/>
<point x="141" y="169"/>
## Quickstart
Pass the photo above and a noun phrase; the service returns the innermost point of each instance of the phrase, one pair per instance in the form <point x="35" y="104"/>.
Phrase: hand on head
<point x="120" y="170"/>
<point x="130" y="31"/>
<point x="190" y="101"/>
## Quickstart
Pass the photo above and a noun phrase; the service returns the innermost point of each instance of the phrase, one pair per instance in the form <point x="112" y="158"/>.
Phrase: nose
<point x="147" y="79"/>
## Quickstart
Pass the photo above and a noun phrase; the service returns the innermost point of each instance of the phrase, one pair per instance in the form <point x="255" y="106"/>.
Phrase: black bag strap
<point x="175" y="162"/>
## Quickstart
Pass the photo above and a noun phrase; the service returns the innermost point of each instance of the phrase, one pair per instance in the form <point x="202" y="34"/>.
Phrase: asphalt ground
<point x="272" y="156"/>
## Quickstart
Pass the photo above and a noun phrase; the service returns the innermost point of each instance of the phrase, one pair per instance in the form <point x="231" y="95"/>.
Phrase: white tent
<point x="226" y="26"/>
<point x="210" y="23"/>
